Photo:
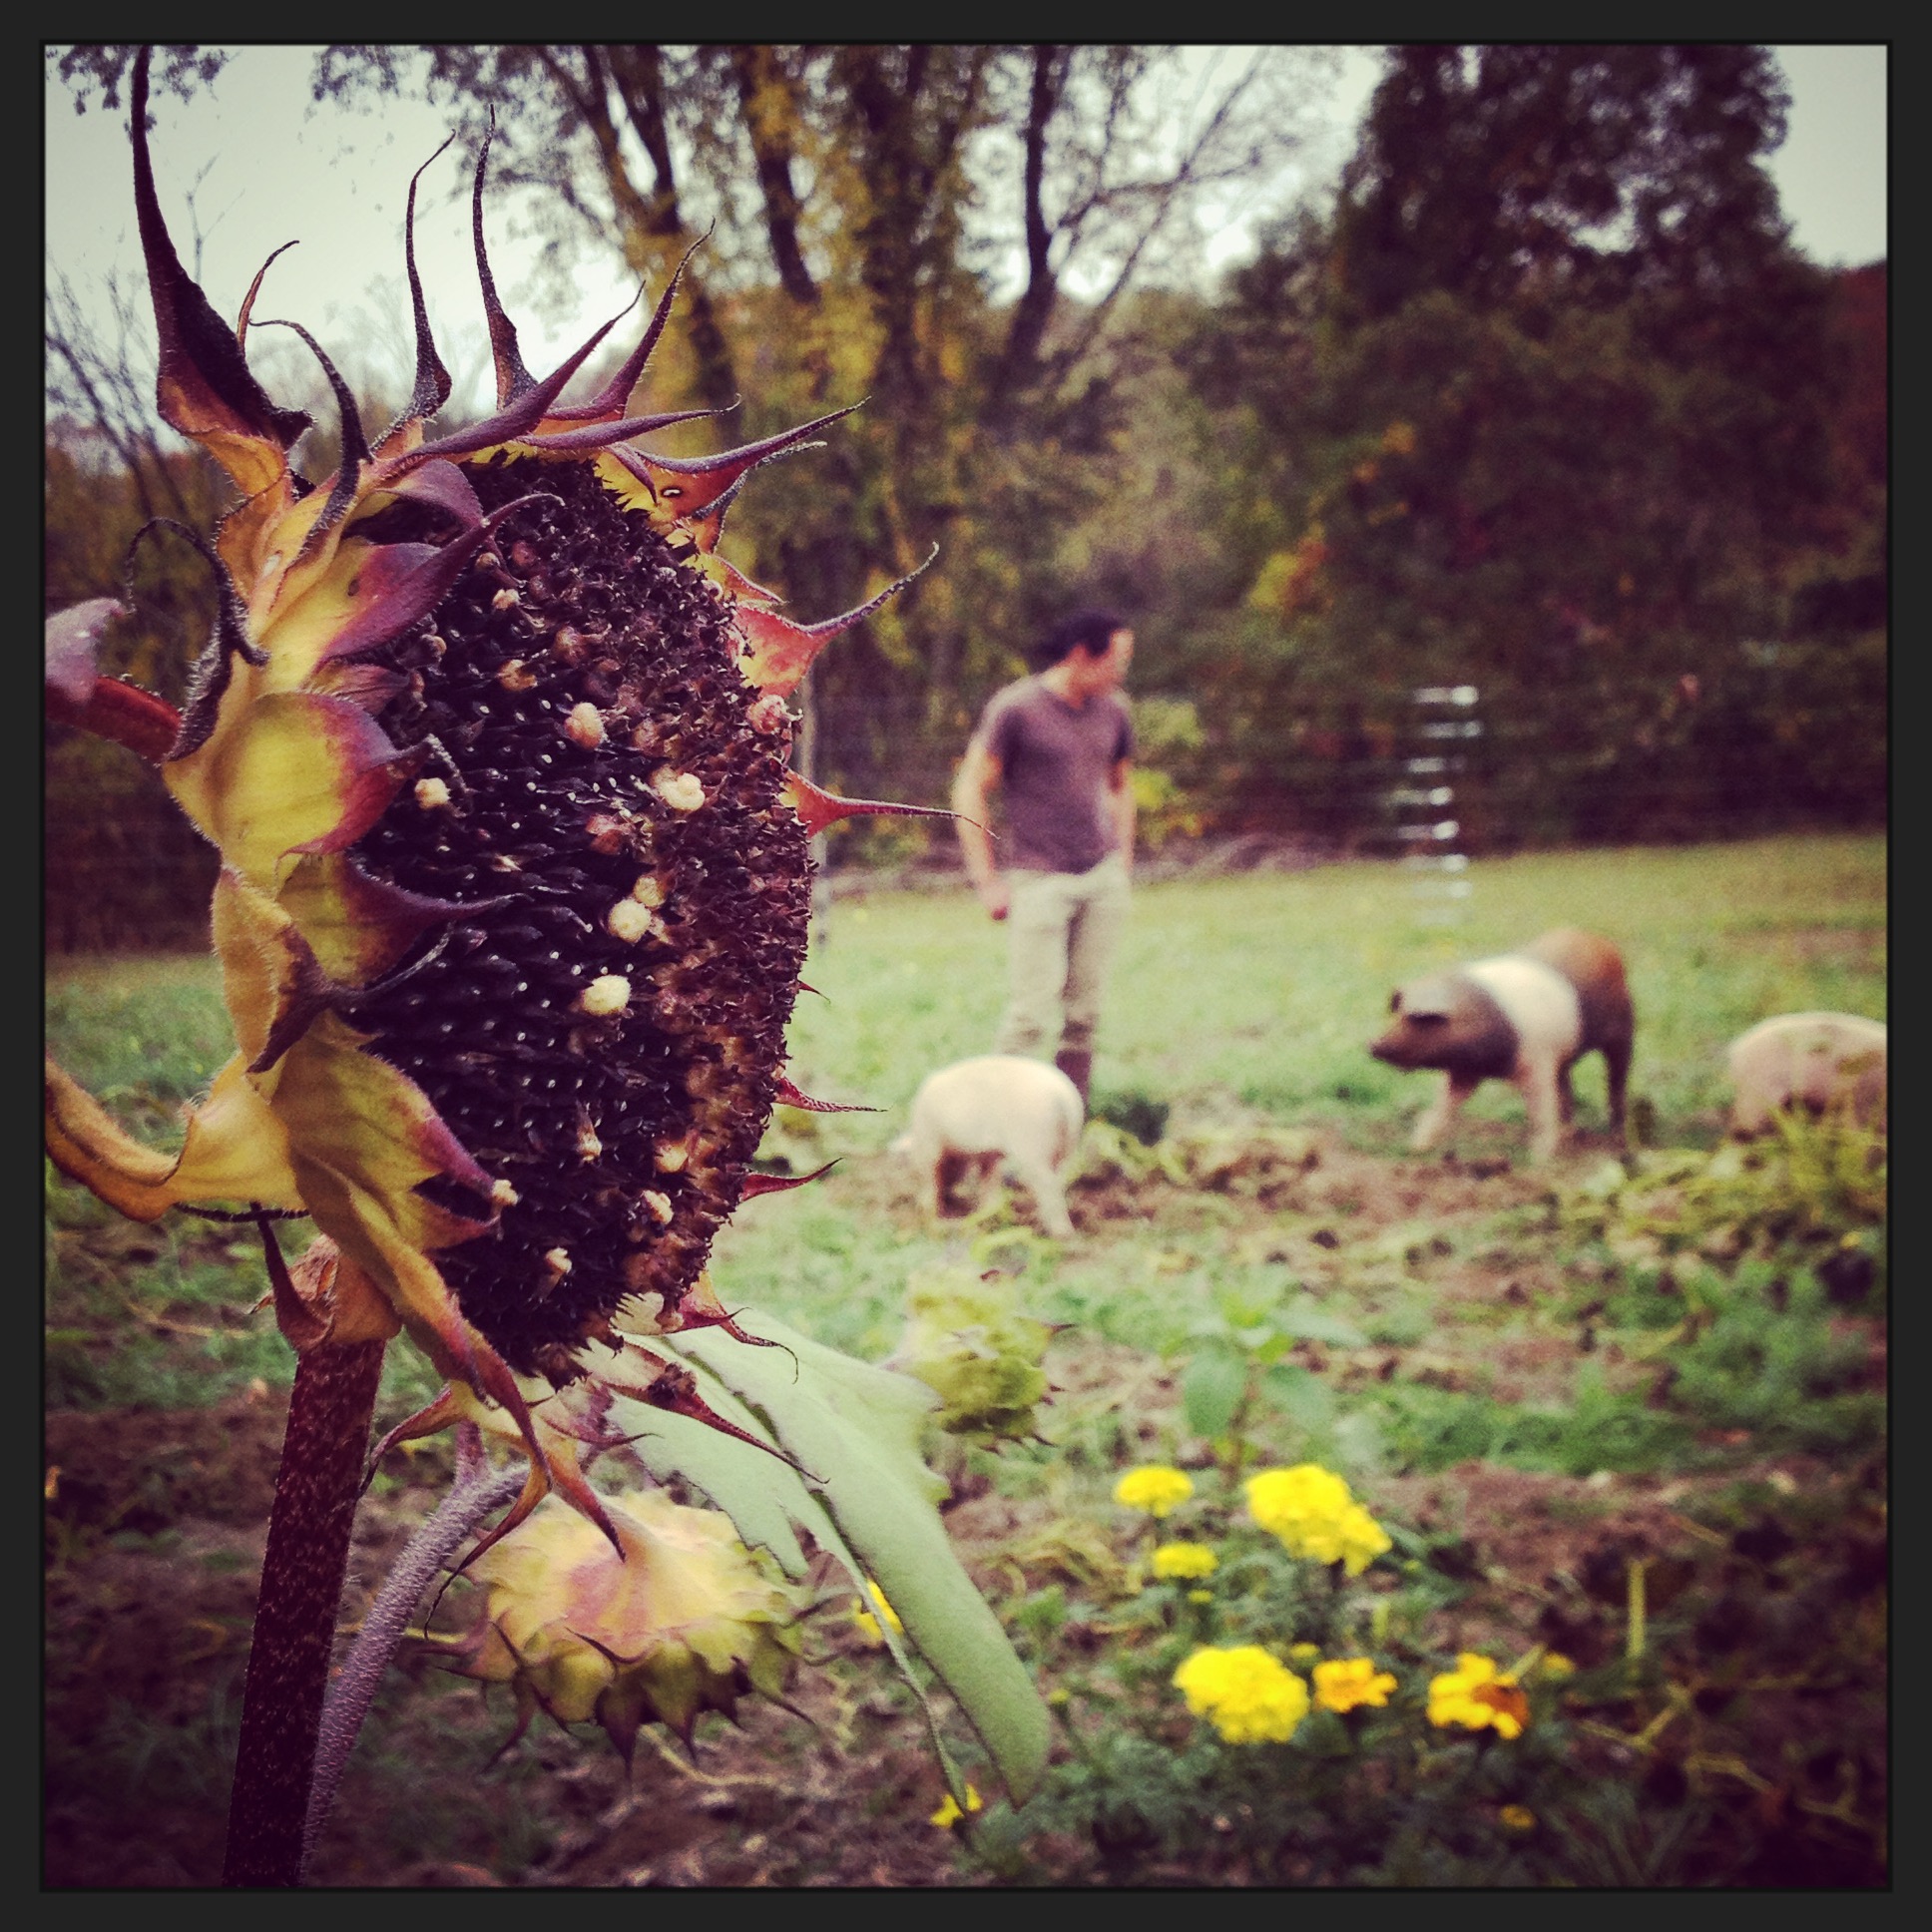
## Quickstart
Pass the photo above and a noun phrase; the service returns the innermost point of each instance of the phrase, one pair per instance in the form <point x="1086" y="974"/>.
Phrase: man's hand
<point x="978" y="773"/>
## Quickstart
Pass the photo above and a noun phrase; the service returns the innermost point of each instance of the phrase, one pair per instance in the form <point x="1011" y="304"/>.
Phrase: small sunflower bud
<point x="585" y="726"/>
<point x="648" y="891"/>
<point x="657" y="1205"/>
<point x="768" y="715"/>
<point x="432" y="794"/>
<point x="516" y="675"/>
<point x="687" y="1619"/>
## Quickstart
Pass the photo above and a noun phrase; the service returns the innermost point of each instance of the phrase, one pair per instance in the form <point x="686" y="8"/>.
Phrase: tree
<point x="1550" y="398"/>
<point x="952" y="234"/>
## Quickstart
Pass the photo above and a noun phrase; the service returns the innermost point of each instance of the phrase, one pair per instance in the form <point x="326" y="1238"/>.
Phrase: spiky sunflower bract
<point x="513" y="885"/>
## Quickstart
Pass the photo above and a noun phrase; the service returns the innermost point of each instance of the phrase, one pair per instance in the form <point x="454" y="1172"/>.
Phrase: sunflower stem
<point x="317" y="1489"/>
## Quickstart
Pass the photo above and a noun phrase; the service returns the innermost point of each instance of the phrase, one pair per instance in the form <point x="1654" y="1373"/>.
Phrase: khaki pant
<point x="1064" y="930"/>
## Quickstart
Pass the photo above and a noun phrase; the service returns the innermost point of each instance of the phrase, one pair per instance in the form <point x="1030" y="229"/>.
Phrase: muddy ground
<point x="156" y="1522"/>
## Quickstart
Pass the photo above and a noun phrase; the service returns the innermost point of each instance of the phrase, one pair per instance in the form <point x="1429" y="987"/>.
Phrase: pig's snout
<point x="1413" y="1041"/>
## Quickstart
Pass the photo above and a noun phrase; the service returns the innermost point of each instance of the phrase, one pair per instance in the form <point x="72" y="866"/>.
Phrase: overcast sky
<point x="279" y="168"/>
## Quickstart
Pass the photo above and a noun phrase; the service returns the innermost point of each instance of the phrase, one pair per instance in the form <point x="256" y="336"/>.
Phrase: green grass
<point x="1689" y="1318"/>
<point x="1238" y="999"/>
<point x="1261" y="989"/>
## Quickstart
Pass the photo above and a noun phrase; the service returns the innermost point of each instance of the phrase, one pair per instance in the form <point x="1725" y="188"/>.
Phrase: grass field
<point x="1661" y="1374"/>
<point x="1261" y="988"/>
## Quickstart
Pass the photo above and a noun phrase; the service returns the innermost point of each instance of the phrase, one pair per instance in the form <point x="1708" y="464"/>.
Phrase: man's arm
<point x="1120" y="785"/>
<point x="979" y="774"/>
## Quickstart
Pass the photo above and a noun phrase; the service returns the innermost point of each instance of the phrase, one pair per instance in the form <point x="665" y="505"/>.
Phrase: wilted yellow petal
<point x="235" y="1150"/>
<point x="299" y="771"/>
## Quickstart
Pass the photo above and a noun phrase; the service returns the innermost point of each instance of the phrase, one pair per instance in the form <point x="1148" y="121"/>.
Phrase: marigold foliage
<point x="1249" y="1696"/>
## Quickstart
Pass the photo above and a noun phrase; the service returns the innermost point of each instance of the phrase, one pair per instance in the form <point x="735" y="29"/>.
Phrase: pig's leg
<point x="1617" y="1058"/>
<point x="984" y="1169"/>
<point x="1541" y="1085"/>
<point x="947" y="1169"/>
<point x="1048" y="1196"/>
<point x="1441" y="1114"/>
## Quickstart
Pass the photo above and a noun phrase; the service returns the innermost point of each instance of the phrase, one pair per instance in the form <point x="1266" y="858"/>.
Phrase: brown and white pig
<point x="1820" y="1062"/>
<point x="1527" y="1016"/>
<point x="973" y="1114"/>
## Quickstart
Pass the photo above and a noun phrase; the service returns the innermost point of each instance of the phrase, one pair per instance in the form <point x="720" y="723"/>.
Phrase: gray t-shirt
<point x="1056" y="759"/>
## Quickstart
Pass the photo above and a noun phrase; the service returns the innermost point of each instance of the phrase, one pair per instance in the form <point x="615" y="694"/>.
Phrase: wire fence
<point x="1453" y="784"/>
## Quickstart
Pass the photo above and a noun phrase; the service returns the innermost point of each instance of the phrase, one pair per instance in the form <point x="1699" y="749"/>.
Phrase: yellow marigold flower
<point x="1476" y="1696"/>
<point x="1517" y="1817"/>
<point x="1362" y="1539"/>
<point x="868" y="1623"/>
<point x="1348" y="1681"/>
<point x="1156" y="1489"/>
<point x="949" y="1813"/>
<point x="1311" y="1511"/>
<point x="1282" y="1499"/>
<point x="1173" y="1561"/>
<point x="1248" y="1697"/>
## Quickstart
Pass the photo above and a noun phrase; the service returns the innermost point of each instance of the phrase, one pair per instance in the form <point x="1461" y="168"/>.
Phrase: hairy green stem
<point x="477" y="1491"/>
<point x="317" y="1489"/>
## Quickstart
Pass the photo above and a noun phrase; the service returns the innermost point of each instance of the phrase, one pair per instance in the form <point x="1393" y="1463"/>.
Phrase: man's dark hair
<point x="1093" y="629"/>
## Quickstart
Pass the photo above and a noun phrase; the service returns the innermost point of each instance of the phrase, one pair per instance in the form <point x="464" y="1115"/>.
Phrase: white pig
<point x="1526" y="1017"/>
<point x="977" y="1112"/>
<point x="1817" y="1060"/>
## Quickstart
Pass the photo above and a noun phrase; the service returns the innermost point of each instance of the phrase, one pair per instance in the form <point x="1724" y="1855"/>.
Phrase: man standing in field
<point x="1057" y="747"/>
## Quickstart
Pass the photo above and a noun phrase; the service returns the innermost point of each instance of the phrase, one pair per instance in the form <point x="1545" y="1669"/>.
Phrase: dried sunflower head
<point x="513" y="883"/>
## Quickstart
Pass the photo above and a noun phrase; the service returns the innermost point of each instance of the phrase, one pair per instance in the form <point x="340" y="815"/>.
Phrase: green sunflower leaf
<point x="867" y="1497"/>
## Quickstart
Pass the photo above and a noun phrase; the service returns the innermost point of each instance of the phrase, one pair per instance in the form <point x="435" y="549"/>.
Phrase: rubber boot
<point x="1078" y="1066"/>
